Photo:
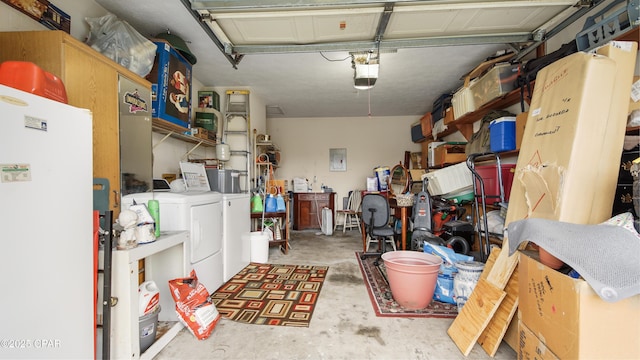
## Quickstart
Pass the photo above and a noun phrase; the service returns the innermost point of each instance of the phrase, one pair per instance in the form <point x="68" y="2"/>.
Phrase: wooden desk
<point x="404" y="216"/>
<point x="307" y="209"/>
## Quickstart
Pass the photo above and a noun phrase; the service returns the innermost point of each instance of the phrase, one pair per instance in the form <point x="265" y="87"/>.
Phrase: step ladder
<point x="236" y="134"/>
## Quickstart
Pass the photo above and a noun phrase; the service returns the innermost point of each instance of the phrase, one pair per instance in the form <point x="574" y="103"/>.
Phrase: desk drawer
<point x="313" y="197"/>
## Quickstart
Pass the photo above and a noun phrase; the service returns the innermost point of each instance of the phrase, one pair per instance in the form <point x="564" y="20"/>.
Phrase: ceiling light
<point x="365" y="76"/>
<point x="366" y="67"/>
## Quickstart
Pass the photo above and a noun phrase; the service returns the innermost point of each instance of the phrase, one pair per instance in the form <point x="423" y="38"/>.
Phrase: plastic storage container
<point x="502" y="134"/>
<point x="148" y="325"/>
<point x="463" y="102"/>
<point x="452" y="178"/>
<point x="29" y="77"/>
<point x="498" y="81"/>
<point x="489" y="175"/>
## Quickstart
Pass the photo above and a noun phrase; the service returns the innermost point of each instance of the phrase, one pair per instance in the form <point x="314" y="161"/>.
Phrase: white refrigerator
<point x="46" y="229"/>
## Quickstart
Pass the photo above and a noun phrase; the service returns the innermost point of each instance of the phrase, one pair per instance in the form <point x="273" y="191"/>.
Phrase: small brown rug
<point x="271" y="294"/>
<point x="382" y="299"/>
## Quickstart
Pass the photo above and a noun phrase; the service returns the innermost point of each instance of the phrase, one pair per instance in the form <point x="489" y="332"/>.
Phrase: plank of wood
<point x="490" y="262"/>
<point x="504" y="266"/>
<point x="511" y="337"/>
<point x="475" y="315"/>
<point x="473" y="324"/>
<point x="492" y="335"/>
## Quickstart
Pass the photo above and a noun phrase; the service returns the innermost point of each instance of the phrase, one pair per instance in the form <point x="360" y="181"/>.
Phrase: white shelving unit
<point x="262" y="167"/>
<point x="164" y="261"/>
<point x="236" y="133"/>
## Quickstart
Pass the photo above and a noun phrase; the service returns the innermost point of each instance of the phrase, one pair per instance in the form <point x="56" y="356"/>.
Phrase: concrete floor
<point x="343" y="326"/>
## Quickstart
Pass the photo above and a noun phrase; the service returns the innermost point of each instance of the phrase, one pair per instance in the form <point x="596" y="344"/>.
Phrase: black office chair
<point x="375" y="215"/>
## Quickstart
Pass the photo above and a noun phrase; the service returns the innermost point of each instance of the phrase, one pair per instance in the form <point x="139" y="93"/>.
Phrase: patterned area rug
<point x="382" y="300"/>
<point x="271" y="294"/>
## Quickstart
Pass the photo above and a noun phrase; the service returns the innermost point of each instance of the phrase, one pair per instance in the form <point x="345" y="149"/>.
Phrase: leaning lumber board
<point x="475" y="315"/>
<point x="511" y="337"/>
<point x="473" y="323"/>
<point x="492" y="335"/>
<point x="491" y="260"/>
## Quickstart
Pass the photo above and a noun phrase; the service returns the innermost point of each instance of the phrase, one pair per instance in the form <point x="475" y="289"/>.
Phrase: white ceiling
<point x="284" y="66"/>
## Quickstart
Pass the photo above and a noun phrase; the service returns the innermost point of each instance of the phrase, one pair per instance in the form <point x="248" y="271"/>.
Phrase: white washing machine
<point x="236" y="245"/>
<point x="200" y="213"/>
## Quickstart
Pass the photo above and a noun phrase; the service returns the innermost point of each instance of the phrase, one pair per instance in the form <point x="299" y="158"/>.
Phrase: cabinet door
<point x="92" y="84"/>
<point x="304" y="211"/>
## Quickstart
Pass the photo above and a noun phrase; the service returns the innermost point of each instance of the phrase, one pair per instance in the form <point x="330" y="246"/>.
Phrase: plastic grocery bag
<point x="193" y="305"/>
<point x="120" y="42"/>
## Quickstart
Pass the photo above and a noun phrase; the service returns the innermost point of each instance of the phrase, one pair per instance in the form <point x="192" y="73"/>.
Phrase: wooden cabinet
<point x="307" y="209"/>
<point x="91" y="81"/>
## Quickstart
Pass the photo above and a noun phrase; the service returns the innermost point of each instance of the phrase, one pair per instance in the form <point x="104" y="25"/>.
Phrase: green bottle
<point x="154" y="210"/>
<point x="256" y="203"/>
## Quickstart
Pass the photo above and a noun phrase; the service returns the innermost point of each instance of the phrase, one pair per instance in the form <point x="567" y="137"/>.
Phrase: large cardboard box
<point x="171" y="86"/>
<point x="561" y="172"/>
<point x="624" y="53"/>
<point x="572" y="320"/>
<point x="530" y="347"/>
<point x="521" y="122"/>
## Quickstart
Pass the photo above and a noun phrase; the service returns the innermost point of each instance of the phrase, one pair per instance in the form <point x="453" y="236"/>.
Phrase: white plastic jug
<point x="148" y="298"/>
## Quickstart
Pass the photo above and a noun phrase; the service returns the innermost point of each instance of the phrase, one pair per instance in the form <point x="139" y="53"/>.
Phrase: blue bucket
<point x="502" y="134"/>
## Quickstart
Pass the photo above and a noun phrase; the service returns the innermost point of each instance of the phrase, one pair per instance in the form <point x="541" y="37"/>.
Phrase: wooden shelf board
<point x="176" y="131"/>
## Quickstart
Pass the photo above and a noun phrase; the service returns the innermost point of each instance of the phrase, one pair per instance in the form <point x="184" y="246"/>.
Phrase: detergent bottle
<point x="270" y="203"/>
<point x="256" y="203"/>
<point x="280" y="205"/>
<point x="148" y="297"/>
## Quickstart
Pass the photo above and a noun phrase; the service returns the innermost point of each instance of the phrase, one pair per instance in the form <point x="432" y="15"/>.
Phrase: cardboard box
<point x="530" y="347"/>
<point x="199" y="132"/>
<point x="171" y="86"/>
<point x="634" y="99"/>
<point x="449" y="154"/>
<point x="416" y="174"/>
<point x="571" y="319"/>
<point x="431" y="155"/>
<point x="521" y="122"/>
<point x="560" y="174"/>
<point x="448" y="116"/>
<point x="624" y="54"/>
<point x="422" y="129"/>
<point x="208" y="99"/>
<point x="207" y="120"/>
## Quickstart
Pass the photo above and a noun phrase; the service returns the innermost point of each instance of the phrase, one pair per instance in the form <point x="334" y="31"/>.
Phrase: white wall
<point x="370" y="142"/>
<point x="14" y="20"/>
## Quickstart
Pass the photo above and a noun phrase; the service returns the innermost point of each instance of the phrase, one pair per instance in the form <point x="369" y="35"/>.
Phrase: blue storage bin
<point x="502" y="134"/>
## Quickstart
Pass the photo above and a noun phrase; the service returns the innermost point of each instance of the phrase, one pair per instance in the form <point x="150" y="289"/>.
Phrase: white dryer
<point x="201" y="214"/>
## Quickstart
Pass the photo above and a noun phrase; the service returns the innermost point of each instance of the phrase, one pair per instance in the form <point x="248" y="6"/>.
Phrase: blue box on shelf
<point x="171" y="86"/>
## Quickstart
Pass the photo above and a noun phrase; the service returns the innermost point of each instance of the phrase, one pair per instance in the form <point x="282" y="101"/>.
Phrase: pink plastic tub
<point x="412" y="277"/>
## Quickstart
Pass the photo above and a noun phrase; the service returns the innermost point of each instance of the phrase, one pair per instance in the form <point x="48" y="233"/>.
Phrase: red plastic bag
<point x="195" y="309"/>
